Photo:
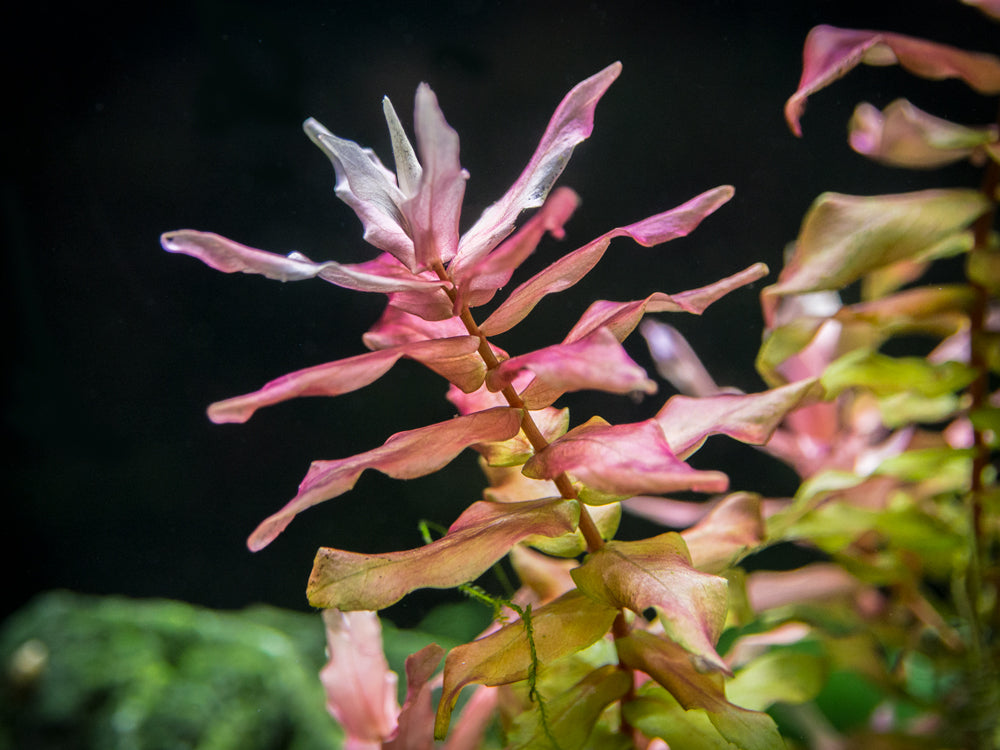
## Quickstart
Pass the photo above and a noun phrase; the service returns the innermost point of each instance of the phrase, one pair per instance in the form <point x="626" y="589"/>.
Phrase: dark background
<point x="124" y="122"/>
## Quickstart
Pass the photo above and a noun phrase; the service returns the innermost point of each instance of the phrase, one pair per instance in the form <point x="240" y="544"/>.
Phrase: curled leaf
<point x="483" y="534"/>
<point x="621" y="461"/>
<point x="904" y="136"/>
<point x="405" y="455"/>
<point x="830" y="53"/>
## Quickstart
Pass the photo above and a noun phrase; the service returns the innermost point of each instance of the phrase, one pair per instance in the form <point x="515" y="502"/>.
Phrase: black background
<point x="124" y="122"/>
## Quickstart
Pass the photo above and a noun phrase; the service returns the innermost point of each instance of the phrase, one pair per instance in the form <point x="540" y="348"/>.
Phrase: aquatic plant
<point x="666" y="640"/>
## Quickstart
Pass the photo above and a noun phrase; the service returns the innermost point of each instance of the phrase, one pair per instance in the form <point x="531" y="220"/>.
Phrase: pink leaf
<point x="448" y="357"/>
<point x="568" y="270"/>
<point x="432" y="214"/>
<point x="676" y="361"/>
<point x="749" y="418"/>
<point x="730" y="531"/>
<point x="360" y="689"/>
<point x="370" y="189"/>
<point x="621" y="460"/>
<point x="830" y="53"/>
<point x="405" y="455"/>
<point x="227" y="256"/>
<point x="657" y="573"/>
<point x="470" y="729"/>
<point x="483" y="534"/>
<point x="622" y="317"/>
<point x="416" y="719"/>
<point x="571" y="123"/>
<point x="596" y="362"/>
<point x="478" y="282"/>
<point x="396" y="326"/>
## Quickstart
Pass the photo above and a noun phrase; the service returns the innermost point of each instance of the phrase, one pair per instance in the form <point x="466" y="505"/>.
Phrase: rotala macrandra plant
<point x="607" y="644"/>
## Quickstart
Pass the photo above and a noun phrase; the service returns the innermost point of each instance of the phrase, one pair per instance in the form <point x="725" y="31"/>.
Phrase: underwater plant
<point x="667" y="641"/>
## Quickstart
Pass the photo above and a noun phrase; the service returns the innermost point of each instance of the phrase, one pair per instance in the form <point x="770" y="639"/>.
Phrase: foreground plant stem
<point x="591" y="534"/>
<point x="588" y="528"/>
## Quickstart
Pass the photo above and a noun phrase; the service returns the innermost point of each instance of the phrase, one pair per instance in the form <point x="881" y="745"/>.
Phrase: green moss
<point x="114" y="673"/>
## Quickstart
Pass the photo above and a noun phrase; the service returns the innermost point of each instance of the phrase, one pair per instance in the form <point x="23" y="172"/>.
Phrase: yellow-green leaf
<point x="569" y="624"/>
<point x="483" y="534"/>
<point x="657" y="573"/>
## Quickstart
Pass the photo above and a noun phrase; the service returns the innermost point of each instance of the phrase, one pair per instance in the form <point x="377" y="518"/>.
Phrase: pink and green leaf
<point x="671" y="666"/>
<point x="568" y="270"/>
<point x="596" y="362"/>
<point x="405" y="455"/>
<point x="830" y="252"/>
<point x="483" y="534"/>
<point x="452" y="358"/>
<point x="569" y="624"/>
<point x="904" y="136"/>
<point x="621" y="461"/>
<point x="730" y="531"/>
<point x="750" y="418"/>
<point x="830" y="53"/>
<point x="657" y="573"/>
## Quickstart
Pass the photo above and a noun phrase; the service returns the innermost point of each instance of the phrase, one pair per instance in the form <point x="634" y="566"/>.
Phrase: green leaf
<point x="885" y="375"/>
<point x="606" y="517"/>
<point x="785" y="675"/>
<point x="483" y="534"/>
<point x="657" y="573"/>
<point x="571" y="716"/>
<point x="656" y="713"/>
<point x="670" y="666"/>
<point x="569" y="624"/>
<point x="844" y="237"/>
